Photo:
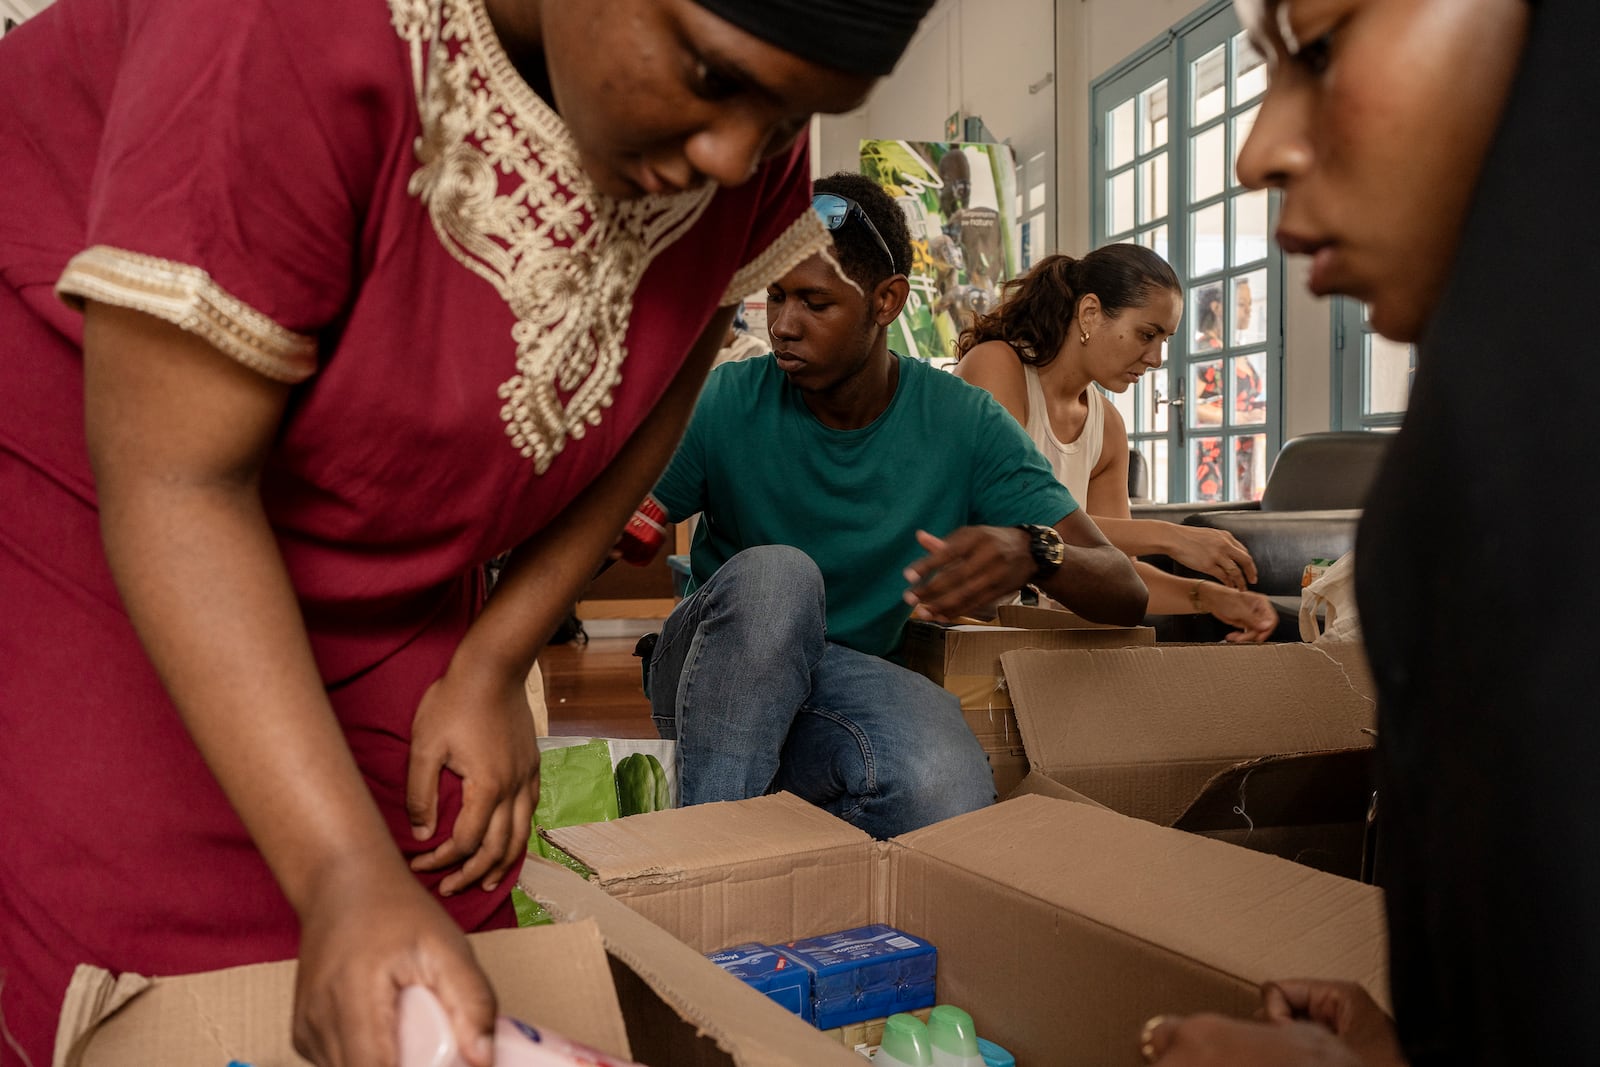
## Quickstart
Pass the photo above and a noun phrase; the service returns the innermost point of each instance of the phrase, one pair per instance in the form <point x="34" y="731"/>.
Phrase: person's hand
<point x="1252" y="613"/>
<point x="1214" y="552"/>
<point x="967" y="571"/>
<point x="1306" y="1022"/>
<point x="482" y="730"/>
<point x="366" y="936"/>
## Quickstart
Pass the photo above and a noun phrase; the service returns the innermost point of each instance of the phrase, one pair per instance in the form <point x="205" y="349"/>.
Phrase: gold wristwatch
<point x="1047" y="549"/>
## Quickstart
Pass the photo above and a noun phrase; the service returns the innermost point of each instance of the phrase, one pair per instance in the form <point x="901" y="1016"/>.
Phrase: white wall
<point x="978" y="57"/>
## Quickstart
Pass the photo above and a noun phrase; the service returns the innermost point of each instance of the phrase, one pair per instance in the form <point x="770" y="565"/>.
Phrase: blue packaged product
<point x="870" y="972"/>
<point x="764" y="968"/>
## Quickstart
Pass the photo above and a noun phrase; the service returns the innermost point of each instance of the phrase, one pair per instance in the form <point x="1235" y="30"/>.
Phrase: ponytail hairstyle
<point x="1037" y="309"/>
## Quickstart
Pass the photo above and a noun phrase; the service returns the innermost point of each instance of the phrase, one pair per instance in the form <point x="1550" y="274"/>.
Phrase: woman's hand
<point x="363" y="938"/>
<point x="482" y="730"/>
<point x="1252" y="613"/>
<point x="1307" y="1023"/>
<point x="1214" y="552"/>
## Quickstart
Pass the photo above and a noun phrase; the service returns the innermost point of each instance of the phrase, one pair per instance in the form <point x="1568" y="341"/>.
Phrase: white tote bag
<point x="1334" y="595"/>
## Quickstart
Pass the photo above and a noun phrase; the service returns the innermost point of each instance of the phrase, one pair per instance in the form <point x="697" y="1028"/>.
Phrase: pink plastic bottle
<point x="426" y="1040"/>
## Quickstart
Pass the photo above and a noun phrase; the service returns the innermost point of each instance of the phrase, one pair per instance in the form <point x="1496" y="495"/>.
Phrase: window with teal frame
<point x="1371" y="374"/>
<point x="1168" y="123"/>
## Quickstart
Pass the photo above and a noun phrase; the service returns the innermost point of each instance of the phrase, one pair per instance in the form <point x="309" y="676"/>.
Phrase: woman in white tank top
<point x="1066" y="330"/>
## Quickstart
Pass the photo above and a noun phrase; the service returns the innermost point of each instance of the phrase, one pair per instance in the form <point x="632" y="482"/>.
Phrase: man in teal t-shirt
<point x="818" y="471"/>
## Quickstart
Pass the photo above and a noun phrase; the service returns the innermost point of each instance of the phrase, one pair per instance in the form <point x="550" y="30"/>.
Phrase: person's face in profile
<point x="1243" y="302"/>
<point x="1376" y="120"/>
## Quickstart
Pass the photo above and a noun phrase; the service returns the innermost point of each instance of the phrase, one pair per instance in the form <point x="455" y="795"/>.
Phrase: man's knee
<point x="775" y="573"/>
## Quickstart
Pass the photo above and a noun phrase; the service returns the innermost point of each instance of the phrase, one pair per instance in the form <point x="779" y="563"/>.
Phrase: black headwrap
<point x="1479" y="591"/>
<point x="855" y="36"/>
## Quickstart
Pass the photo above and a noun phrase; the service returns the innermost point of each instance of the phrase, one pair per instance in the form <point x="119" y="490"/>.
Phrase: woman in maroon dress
<point x="310" y="307"/>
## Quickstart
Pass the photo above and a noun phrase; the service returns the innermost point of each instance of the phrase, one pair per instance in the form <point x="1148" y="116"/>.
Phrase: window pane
<point x="1205" y="312"/>
<point x="1208" y="164"/>
<point x="1160" y="473"/>
<point x="1250" y="227"/>
<point x="1249" y="468"/>
<point x="1205" y="392"/>
<point x="1119" y="145"/>
<point x="1156" y="240"/>
<point x="1205" y="468"/>
<point x="1249" y="70"/>
<point x="1208" y="84"/>
<point x="1250" y="310"/>
<point x="1250" y="390"/>
<point x="1153" y="116"/>
<point x="1242" y="125"/>
<point x="1153" y="188"/>
<point x="1387" y="375"/>
<point x="1119" y="212"/>
<point x="1206" y="241"/>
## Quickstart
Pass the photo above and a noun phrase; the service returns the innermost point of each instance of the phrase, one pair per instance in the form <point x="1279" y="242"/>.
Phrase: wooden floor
<point x="593" y="689"/>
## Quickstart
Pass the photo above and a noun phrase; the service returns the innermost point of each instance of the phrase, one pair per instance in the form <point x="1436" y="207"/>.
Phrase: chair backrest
<point x="1138" y="476"/>
<point x="1319" y="471"/>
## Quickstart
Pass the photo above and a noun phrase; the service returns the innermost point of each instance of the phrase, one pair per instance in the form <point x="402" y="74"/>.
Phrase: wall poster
<point x="960" y="200"/>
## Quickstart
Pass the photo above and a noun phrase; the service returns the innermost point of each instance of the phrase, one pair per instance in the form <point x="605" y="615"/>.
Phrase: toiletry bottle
<point x="426" y="1040"/>
<point x="954" y="1039"/>
<point x="905" y="1042"/>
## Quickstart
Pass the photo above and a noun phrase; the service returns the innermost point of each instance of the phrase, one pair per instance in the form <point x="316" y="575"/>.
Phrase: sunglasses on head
<point x="834" y="210"/>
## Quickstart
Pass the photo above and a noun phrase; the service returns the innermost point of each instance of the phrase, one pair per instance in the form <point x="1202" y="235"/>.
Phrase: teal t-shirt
<point x="763" y="471"/>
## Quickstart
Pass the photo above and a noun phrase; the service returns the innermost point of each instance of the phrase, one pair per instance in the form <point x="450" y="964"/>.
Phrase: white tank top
<point x="1074" y="462"/>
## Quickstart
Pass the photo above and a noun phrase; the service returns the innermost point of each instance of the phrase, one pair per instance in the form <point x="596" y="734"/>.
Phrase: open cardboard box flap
<point x="1237" y="911"/>
<point x="1145" y="729"/>
<point x="1225" y="910"/>
<point x="243" y="1013"/>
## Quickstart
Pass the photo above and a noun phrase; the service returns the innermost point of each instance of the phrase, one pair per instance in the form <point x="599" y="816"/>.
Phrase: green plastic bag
<point x="575" y="786"/>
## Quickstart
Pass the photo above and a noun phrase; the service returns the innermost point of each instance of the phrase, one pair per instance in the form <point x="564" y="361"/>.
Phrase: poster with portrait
<point x="959" y="200"/>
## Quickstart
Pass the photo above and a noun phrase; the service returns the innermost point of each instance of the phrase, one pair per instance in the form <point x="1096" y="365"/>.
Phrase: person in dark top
<point x="1482" y="649"/>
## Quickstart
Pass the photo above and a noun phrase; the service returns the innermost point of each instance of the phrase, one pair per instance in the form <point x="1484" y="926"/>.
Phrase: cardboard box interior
<point x="1266" y="746"/>
<point x="965" y="659"/>
<point x="1061" y="927"/>
<point x="602" y="975"/>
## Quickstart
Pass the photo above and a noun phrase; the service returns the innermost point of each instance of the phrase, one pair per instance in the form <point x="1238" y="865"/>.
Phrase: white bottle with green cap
<point x="905" y="1042"/>
<point x="954" y="1038"/>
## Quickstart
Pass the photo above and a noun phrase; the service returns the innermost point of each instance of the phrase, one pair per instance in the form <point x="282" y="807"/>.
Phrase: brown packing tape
<point x="752" y="1029"/>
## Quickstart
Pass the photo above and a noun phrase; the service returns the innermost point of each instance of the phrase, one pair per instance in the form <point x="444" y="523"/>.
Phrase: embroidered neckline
<point x="500" y="175"/>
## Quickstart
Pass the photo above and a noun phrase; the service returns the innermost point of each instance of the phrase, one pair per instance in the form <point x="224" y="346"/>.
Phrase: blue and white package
<point x="764" y="968"/>
<point x="870" y="972"/>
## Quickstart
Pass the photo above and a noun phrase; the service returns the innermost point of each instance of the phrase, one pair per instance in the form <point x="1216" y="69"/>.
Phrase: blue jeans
<point x="744" y="679"/>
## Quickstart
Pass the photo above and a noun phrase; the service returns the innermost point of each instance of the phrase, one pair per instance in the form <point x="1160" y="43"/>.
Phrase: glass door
<point x="1170" y="126"/>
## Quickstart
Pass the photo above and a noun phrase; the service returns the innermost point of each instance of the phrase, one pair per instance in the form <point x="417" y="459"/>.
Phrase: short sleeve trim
<point x="804" y="238"/>
<point x="187" y="297"/>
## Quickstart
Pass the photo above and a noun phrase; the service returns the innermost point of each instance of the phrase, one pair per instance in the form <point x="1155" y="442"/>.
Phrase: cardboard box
<point x="1267" y="746"/>
<point x="602" y="975"/>
<point x="1061" y="927"/>
<point x="965" y="660"/>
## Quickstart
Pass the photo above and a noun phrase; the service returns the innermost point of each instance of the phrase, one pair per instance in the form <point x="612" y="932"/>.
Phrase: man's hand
<point x="482" y="730"/>
<point x="1308" y="1023"/>
<point x="968" y="571"/>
